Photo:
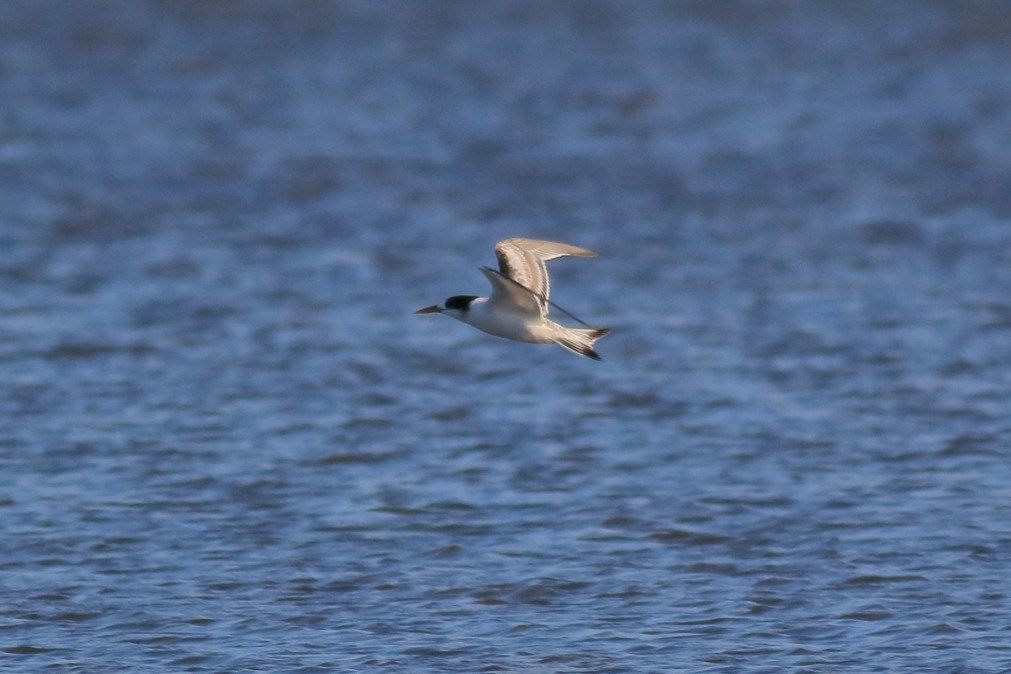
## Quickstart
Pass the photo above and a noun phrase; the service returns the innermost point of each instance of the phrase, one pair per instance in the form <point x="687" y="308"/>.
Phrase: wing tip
<point x="522" y="242"/>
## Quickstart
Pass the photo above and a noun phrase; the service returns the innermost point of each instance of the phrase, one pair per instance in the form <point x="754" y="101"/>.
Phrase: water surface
<point x="226" y="443"/>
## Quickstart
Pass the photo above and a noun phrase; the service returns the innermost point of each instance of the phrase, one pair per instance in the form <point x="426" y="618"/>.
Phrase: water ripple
<point x="226" y="443"/>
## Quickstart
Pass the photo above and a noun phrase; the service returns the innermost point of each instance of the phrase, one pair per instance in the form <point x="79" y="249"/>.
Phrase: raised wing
<point x="511" y="296"/>
<point x="524" y="261"/>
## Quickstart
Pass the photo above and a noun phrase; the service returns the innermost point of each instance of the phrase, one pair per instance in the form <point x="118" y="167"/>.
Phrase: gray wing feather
<point x="505" y="291"/>
<point x="524" y="261"/>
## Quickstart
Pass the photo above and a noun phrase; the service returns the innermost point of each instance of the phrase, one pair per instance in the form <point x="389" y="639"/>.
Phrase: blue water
<point x="227" y="444"/>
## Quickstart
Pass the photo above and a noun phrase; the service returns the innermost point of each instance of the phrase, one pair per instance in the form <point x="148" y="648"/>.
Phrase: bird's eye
<point x="459" y="302"/>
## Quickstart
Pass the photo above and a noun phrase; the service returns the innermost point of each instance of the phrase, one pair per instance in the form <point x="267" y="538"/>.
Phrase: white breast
<point x="517" y="325"/>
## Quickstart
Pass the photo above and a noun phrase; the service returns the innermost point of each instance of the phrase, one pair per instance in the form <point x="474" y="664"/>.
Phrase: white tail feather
<point x="581" y="340"/>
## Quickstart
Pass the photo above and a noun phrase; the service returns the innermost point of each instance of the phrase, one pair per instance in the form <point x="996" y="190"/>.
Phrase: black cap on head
<point x="460" y="302"/>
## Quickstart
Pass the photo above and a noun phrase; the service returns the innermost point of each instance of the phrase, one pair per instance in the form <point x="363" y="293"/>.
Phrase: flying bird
<point x="520" y="299"/>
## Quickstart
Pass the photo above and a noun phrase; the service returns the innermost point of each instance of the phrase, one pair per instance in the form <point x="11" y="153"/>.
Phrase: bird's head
<point x="454" y="306"/>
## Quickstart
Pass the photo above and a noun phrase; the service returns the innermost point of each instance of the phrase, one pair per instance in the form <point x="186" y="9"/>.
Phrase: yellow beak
<point x="434" y="309"/>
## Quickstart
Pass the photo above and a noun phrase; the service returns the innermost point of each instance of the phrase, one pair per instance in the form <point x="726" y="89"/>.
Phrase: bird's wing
<point x="524" y="261"/>
<point x="511" y="296"/>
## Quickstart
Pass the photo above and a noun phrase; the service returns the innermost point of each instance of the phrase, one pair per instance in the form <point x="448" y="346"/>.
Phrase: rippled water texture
<point x="227" y="444"/>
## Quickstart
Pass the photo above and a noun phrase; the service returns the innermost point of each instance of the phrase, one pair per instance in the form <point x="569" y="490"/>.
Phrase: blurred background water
<point x="226" y="443"/>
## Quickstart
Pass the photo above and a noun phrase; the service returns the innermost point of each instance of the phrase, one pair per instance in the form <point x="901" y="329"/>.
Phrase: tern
<point x="520" y="299"/>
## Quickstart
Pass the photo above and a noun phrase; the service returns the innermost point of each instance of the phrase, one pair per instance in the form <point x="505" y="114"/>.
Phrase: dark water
<point x="226" y="444"/>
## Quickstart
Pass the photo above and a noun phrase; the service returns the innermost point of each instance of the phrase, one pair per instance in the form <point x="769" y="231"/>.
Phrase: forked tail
<point x="581" y="340"/>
